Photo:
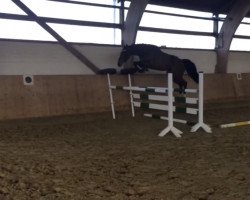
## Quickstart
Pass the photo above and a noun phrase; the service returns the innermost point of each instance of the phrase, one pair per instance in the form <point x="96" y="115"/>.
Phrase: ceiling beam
<point x="238" y="11"/>
<point x="85" y="3"/>
<point x="221" y="7"/>
<point x="61" y="21"/>
<point x="164" y="30"/>
<point x="61" y="41"/>
<point x="132" y="22"/>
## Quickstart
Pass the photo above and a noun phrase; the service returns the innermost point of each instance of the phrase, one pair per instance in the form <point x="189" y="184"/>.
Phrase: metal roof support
<point x="61" y="41"/>
<point x="230" y="25"/>
<point x="132" y="22"/>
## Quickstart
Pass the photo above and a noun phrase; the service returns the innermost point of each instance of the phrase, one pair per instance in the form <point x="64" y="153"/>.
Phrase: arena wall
<point x="53" y="95"/>
<point x="40" y="58"/>
<point x="64" y="86"/>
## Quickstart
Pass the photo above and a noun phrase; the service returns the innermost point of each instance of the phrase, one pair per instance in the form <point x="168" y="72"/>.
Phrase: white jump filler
<point x="161" y="95"/>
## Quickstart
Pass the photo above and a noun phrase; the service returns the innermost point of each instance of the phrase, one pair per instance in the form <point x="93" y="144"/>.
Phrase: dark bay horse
<point x="151" y="57"/>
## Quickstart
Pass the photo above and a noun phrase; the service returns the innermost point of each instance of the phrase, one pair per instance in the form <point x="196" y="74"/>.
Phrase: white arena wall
<point x="36" y="58"/>
<point x="64" y="86"/>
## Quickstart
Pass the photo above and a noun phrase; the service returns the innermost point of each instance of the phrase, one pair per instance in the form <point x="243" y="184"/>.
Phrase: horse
<point x="151" y="57"/>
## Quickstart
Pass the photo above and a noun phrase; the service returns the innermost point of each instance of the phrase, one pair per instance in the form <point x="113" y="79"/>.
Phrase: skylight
<point x="26" y="30"/>
<point x="44" y="8"/>
<point x="7" y="6"/>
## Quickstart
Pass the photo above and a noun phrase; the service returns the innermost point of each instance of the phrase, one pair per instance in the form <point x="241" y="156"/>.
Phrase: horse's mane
<point x="147" y="47"/>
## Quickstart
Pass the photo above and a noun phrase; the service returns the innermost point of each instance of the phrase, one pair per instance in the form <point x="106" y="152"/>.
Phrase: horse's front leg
<point x="140" y="66"/>
<point x="184" y="86"/>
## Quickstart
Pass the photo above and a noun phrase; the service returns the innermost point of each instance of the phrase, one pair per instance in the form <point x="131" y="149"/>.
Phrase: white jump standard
<point x="161" y="95"/>
<point x="170" y="127"/>
<point x="201" y="123"/>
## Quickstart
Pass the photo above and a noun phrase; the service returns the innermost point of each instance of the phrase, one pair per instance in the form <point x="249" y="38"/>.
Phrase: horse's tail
<point x="191" y="70"/>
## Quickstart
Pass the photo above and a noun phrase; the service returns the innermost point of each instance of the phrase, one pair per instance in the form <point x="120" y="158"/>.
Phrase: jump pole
<point x="236" y="124"/>
<point x="111" y="97"/>
<point x="182" y="121"/>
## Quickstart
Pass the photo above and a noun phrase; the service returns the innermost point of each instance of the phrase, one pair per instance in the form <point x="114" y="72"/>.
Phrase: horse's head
<point x="124" y="56"/>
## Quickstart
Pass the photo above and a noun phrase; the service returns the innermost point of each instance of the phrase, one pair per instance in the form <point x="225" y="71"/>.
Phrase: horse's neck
<point x="135" y="51"/>
<point x="138" y="51"/>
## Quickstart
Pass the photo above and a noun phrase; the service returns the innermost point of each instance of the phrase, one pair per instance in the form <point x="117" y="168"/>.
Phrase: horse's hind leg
<point x="182" y="84"/>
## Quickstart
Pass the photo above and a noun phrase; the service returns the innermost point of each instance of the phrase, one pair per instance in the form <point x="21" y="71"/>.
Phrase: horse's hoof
<point x="141" y="71"/>
<point x="182" y="91"/>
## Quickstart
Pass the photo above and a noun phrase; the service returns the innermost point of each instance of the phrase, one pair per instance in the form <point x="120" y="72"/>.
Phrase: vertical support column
<point x="216" y="29"/>
<point x="201" y="123"/>
<point x="111" y="97"/>
<point x="131" y="95"/>
<point x="122" y="18"/>
<point x="170" y="127"/>
<point x="133" y="19"/>
<point x="238" y="11"/>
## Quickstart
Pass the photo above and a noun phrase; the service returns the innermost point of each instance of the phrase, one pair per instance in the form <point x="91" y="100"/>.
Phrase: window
<point x="26" y="30"/>
<point x="105" y="11"/>
<point x="7" y="6"/>
<point x="176" y="40"/>
<point x="240" y="44"/>
<point x="88" y="34"/>
<point x="107" y="2"/>
<point x="100" y="20"/>
<point x="176" y="28"/>
<point x="171" y="10"/>
<point x="176" y="23"/>
<point x="246" y="20"/>
<point x="60" y="10"/>
<point x="243" y="29"/>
